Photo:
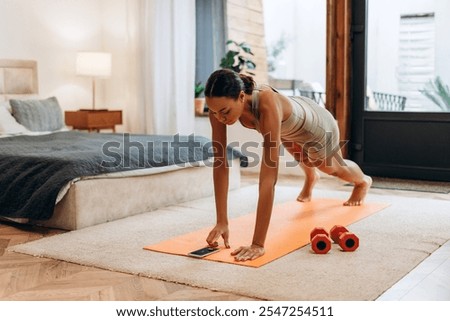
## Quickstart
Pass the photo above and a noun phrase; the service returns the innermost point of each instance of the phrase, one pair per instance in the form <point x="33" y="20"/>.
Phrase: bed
<point x="60" y="178"/>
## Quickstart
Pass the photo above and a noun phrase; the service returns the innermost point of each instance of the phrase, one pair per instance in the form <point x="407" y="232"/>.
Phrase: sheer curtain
<point x="162" y="33"/>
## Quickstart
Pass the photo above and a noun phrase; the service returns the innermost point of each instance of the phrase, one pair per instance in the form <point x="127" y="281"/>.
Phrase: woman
<point x="308" y="131"/>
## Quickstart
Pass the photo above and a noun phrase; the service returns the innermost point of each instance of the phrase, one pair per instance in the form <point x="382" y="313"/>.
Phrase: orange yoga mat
<point x="290" y="226"/>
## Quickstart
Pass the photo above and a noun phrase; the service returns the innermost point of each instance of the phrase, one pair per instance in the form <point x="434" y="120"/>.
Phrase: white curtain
<point x="165" y="65"/>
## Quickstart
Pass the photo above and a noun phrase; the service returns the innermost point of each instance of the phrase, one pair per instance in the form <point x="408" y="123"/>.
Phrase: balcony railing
<point x="317" y="96"/>
<point x="383" y="101"/>
<point x="389" y="102"/>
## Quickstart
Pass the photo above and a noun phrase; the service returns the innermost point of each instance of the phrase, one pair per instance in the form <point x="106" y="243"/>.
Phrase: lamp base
<point x="93" y="110"/>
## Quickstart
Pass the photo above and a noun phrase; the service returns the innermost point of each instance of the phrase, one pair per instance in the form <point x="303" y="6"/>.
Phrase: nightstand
<point x="93" y="119"/>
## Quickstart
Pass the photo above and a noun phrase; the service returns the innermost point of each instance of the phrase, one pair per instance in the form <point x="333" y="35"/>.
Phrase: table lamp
<point x="95" y="65"/>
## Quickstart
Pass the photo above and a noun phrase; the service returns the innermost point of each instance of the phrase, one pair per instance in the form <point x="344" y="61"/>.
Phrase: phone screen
<point x="204" y="251"/>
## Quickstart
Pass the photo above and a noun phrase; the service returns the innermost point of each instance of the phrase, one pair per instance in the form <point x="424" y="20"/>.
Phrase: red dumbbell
<point x="346" y="240"/>
<point x="320" y="241"/>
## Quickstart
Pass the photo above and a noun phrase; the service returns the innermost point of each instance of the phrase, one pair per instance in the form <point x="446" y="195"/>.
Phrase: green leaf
<point x="438" y="93"/>
<point x="232" y="53"/>
<point x="199" y="88"/>
<point x="229" y="60"/>
<point x="229" y="42"/>
<point x="431" y="97"/>
<point x="244" y="45"/>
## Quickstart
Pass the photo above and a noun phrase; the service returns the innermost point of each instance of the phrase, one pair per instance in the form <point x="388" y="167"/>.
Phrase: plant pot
<point x="199" y="106"/>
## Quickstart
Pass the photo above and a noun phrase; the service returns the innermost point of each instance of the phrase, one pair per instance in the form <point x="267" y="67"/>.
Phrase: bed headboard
<point x="18" y="78"/>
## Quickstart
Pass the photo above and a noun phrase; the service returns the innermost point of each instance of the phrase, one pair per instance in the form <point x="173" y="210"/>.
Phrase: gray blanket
<point x="33" y="169"/>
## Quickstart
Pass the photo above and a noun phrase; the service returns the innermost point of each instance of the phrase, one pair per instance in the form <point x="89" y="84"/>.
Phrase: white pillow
<point x="8" y="124"/>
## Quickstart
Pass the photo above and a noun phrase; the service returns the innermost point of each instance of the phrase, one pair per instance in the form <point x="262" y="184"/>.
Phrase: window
<point x="210" y="37"/>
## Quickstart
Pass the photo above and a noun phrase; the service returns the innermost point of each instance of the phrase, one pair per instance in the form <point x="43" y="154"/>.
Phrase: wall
<point x="245" y="22"/>
<point x="52" y="32"/>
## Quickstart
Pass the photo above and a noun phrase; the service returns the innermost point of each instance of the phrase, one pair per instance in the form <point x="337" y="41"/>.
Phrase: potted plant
<point x="198" y="100"/>
<point x="237" y="58"/>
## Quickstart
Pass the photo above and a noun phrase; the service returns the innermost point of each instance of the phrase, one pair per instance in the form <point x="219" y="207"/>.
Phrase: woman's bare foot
<point x="306" y="193"/>
<point x="359" y="192"/>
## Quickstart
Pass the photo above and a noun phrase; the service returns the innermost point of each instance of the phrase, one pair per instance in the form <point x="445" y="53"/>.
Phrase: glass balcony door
<point x="400" y="116"/>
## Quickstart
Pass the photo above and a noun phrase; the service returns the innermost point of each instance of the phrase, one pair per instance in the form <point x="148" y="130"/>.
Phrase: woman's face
<point x="226" y="110"/>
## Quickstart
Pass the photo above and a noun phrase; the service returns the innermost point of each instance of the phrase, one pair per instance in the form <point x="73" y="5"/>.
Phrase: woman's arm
<point x="270" y="126"/>
<point x="220" y="176"/>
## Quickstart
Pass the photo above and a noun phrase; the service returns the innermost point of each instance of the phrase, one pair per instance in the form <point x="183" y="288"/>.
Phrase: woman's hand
<point x="218" y="231"/>
<point x="251" y="252"/>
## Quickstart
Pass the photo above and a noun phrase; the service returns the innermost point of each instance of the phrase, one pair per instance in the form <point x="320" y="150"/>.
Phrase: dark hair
<point x="228" y="83"/>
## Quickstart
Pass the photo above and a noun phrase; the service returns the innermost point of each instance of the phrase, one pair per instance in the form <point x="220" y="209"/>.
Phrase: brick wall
<point x="245" y="22"/>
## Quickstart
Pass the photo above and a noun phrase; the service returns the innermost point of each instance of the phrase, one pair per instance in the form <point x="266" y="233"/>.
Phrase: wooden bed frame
<point x="94" y="201"/>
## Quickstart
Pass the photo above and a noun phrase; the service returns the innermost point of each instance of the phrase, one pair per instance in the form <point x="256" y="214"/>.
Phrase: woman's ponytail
<point x="249" y="83"/>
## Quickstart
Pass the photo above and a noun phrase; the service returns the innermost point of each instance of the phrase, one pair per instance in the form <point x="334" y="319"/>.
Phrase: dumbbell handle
<point x="336" y="232"/>
<point x="346" y="240"/>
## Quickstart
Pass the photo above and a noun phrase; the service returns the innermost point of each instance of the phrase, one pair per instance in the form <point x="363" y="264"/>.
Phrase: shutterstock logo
<point x="143" y="151"/>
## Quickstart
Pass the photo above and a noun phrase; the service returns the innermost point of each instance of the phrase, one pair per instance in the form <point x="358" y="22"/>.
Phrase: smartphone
<point x="205" y="251"/>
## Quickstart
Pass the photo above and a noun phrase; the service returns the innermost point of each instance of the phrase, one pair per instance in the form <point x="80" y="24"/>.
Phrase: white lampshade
<point x="95" y="64"/>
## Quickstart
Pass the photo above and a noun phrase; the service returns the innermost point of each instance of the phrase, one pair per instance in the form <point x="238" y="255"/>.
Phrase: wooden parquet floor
<point x="24" y="277"/>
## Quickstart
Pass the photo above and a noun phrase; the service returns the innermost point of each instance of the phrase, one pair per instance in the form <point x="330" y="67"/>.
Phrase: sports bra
<point x="289" y="126"/>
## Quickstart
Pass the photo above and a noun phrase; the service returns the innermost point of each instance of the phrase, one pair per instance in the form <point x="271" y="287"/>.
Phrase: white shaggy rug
<point x="392" y="242"/>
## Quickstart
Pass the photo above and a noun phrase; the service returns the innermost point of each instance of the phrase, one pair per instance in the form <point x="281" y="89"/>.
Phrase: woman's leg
<point x="311" y="178"/>
<point x="348" y="171"/>
<point x="311" y="175"/>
